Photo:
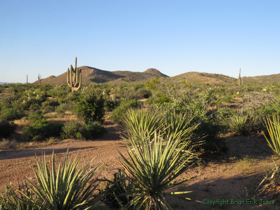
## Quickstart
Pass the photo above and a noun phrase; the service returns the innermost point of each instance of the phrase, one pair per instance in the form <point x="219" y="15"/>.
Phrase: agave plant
<point x="272" y="179"/>
<point x="178" y="124"/>
<point x="11" y="200"/>
<point x="273" y="128"/>
<point x="153" y="167"/>
<point x="138" y="121"/>
<point x="238" y="124"/>
<point x="68" y="188"/>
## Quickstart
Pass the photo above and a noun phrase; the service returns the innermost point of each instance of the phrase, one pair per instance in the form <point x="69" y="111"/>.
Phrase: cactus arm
<point x="68" y="78"/>
<point x="76" y="78"/>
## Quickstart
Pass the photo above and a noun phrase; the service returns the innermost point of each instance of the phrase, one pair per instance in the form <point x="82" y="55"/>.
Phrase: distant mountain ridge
<point x="91" y="74"/>
<point x="273" y="78"/>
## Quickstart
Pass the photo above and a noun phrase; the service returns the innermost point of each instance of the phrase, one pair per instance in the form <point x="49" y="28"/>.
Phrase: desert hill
<point x="273" y="78"/>
<point x="203" y="78"/>
<point x="91" y="74"/>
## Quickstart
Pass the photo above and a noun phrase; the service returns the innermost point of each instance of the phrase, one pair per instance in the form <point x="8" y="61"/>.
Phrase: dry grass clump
<point x="8" y="144"/>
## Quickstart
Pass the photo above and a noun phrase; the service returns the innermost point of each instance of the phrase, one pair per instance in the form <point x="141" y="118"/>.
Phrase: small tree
<point x="90" y="108"/>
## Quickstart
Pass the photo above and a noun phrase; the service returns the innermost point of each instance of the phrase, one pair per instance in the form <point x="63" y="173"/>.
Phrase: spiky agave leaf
<point x="272" y="179"/>
<point x="68" y="188"/>
<point x="179" y="125"/>
<point x="273" y="128"/>
<point x="154" y="167"/>
<point x="138" y="121"/>
<point x="238" y="124"/>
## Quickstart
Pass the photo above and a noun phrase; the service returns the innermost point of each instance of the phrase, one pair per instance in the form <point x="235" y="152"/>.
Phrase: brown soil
<point x="231" y="178"/>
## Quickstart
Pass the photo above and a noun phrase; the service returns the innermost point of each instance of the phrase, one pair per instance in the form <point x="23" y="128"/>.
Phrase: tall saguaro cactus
<point x="239" y="78"/>
<point x="74" y="77"/>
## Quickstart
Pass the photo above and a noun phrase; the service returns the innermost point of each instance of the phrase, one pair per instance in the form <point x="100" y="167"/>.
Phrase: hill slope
<point x="91" y="74"/>
<point x="203" y="78"/>
<point x="273" y="78"/>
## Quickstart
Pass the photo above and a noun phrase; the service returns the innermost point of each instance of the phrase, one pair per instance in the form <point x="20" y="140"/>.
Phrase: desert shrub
<point x="7" y="144"/>
<point x="92" y="130"/>
<point x="30" y="103"/>
<point x="41" y="130"/>
<point x="208" y="134"/>
<point x="46" y="87"/>
<point x="6" y="128"/>
<point x="144" y="93"/>
<point x="118" y="113"/>
<point x="110" y="105"/>
<point x="195" y="107"/>
<point x="227" y="99"/>
<point x="163" y="99"/>
<point x="11" y="113"/>
<point x="47" y="109"/>
<point x="54" y="103"/>
<point x="71" y="130"/>
<point x="61" y="108"/>
<point x="85" y="131"/>
<point x="53" y="190"/>
<point x="37" y="115"/>
<point x="90" y="108"/>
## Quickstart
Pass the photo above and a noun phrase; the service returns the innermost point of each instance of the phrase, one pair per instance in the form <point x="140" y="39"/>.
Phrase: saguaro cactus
<point x="74" y="77"/>
<point x="239" y="78"/>
<point x="39" y="79"/>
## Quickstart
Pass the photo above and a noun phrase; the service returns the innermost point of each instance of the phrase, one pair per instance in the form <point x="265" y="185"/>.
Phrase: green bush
<point x="37" y="115"/>
<point x="71" y="130"/>
<point x="92" y="130"/>
<point x="117" y="114"/>
<point x="90" y="108"/>
<point x="86" y="131"/>
<point x="163" y="99"/>
<point x="6" y="129"/>
<point x="110" y="105"/>
<point x="61" y="108"/>
<point x="41" y="130"/>
<point x="11" y="113"/>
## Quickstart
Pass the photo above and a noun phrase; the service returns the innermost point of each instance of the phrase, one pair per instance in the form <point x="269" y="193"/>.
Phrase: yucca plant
<point x="178" y="124"/>
<point x="153" y="167"/>
<point x="68" y="188"/>
<point x="12" y="200"/>
<point x="272" y="179"/>
<point x="117" y="190"/>
<point x="238" y="124"/>
<point x="138" y="121"/>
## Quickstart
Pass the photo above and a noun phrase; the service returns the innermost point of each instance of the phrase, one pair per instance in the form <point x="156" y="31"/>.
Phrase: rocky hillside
<point x="91" y="74"/>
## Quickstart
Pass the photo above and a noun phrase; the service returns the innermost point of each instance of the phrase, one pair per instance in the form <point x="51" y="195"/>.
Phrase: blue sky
<point x="215" y="36"/>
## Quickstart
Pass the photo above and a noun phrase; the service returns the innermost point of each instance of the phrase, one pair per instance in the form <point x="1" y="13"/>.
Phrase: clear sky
<point x="215" y="36"/>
